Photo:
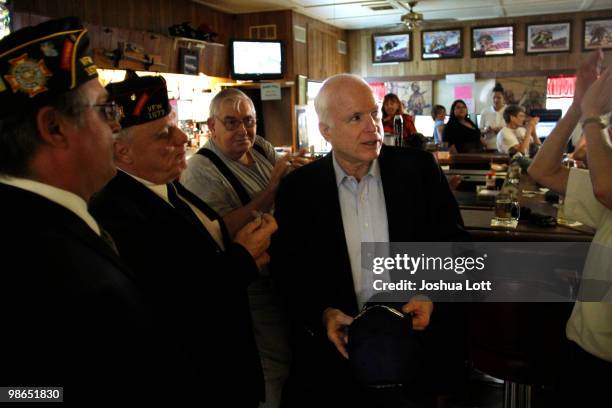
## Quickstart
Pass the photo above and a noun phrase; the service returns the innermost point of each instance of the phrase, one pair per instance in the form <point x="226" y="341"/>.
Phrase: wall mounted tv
<point x="257" y="59"/>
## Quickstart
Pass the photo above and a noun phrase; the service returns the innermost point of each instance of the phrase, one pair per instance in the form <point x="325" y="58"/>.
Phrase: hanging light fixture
<point x="412" y="20"/>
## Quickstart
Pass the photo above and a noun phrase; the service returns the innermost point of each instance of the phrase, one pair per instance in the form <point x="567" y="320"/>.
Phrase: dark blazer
<point x="310" y="237"/>
<point x="309" y="256"/>
<point x="185" y="273"/>
<point x="72" y="315"/>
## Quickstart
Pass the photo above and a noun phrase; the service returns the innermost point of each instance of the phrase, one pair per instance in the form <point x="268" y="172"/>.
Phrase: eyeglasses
<point x="111" y="111"/>
<point x="233" y="123"/>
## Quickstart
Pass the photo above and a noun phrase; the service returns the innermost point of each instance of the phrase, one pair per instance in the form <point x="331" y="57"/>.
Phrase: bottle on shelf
<point x="510" y="186"/>
<point x="490" y="180"/>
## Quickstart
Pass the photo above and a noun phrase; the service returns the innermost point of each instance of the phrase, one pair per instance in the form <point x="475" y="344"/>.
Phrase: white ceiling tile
<point x="351" y="14"/>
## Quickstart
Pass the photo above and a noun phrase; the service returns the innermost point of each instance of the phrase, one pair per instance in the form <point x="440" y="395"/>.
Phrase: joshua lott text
<point x="440" y="285"/>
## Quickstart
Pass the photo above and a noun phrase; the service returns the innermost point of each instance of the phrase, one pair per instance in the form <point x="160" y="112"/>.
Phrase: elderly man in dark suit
<point x="361" y="192"/>
<point x="179" y="247"/>
<point x="72" y="315"/>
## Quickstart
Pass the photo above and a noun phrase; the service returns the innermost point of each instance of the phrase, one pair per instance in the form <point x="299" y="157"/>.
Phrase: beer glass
<point x="504" y="204"/>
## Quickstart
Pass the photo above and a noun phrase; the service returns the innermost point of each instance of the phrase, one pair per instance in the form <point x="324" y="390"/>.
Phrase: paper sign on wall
<point x="465" y="92"/>
<point x="270" y="92"/>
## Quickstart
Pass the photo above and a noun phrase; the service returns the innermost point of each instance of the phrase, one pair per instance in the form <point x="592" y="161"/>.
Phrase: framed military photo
<point x="492" y="41"/>
<point x="393" y="47"/>
<point x="442" y="44"/>
<point x="597" y="34"/>
<point x="548" y="38"/>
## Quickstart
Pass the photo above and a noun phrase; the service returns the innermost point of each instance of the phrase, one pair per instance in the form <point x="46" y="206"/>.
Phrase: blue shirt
<point x="364" y="217"/>
<point x="436" y="136"/>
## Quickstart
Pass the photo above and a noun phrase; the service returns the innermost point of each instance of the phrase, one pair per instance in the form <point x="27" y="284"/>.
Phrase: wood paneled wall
<point x="144" y="22"/>
<point x="145" y="15"/>
<point x="319" y="57"/>
<point x="213" y="58"/>
<point x="282" y="20"/>
<point x="520" y="64"/>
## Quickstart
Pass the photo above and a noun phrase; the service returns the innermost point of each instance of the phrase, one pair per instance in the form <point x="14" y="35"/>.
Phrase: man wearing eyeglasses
<point x="235" y="146"/>
<point x="72" y="314"/>
<point x="237" y="173"/>
<point x="180" y="251"/>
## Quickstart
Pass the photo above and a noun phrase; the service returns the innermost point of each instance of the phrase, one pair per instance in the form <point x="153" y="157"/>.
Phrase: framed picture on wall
<point x="547" y="38"/>
<point x="442" y="44"/>
<point x="394" y="47"/>
<point x="492" y="41"/>
<point x="189" y="61"/>
<point x="597" y="33"/>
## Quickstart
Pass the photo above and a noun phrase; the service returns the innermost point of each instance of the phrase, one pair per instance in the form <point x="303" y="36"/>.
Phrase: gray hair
<point x="321" y="102"/>
<point x="19" y="136"/>
<point x="236" y="96"/>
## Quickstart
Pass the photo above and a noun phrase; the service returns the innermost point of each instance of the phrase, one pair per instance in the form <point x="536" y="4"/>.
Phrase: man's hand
<point x="533" y="121"/>
<point x="587" y="74"/>
<point x="283" y="164"/>
<point x="255" y="237"/>
<point x="299" y="159"/>
<point x="262" y="260"/>
<point x="337" y="323"/>
<point x="421" y="309"/>
<point x="455" y="181"/>
<point x="598" y="98"/>
<point x="491" y="129"/>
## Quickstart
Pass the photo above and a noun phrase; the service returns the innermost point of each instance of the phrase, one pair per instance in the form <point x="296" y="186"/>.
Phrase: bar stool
<point x="520" y="343"/>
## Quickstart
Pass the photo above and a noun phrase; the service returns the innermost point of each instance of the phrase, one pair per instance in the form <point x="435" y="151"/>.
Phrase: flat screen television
<point x="543" y="129"/>
<point x="257" y="59"/>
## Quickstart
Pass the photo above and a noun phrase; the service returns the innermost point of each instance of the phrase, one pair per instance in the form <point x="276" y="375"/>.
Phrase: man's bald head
<point x="331" y="93"/>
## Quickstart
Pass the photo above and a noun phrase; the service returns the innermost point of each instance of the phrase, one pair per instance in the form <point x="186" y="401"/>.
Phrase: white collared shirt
<point x="495" y="119"/>
<point x="213" y="227"/>
<point x="364" y="217"/>
<point x="65" y="198"/>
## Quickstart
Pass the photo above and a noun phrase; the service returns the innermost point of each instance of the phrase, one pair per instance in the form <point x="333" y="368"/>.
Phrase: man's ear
<point x="211" y="125"/>
<point x="122" y="152"/>
<point x="51" y="127"/>
<point x="325" y="130"/>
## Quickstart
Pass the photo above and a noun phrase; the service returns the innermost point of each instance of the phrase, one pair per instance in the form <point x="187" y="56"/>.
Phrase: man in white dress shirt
<point x="178" y="246"/>
<point x="73" y="316"/>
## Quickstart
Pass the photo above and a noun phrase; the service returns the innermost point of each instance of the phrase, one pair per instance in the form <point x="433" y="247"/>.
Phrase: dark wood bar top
<point x="477" y="214"/>
<point x="478" y="224"/>
<point x="483" y="159"/>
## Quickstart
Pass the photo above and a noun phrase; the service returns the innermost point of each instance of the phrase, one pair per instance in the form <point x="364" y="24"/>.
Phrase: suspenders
<point x="244" y="196"/>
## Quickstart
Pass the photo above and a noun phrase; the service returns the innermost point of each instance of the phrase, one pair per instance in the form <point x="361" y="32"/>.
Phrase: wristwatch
<point x="594" y="120"/>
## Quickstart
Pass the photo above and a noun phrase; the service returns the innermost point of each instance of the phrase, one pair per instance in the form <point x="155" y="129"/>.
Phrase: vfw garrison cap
<point x="383" y="348"/>
<point x="142" y="99"/>
<point x="39" y="63"/>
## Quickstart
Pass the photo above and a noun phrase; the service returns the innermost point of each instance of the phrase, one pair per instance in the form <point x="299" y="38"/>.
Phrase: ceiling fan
<point x="414" y="20"/>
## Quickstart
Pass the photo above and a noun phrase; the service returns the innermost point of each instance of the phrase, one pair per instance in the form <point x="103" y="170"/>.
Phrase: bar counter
<point x="477" y="214"/>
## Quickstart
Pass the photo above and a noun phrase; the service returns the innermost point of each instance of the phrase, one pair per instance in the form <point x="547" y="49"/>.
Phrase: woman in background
<point x="492" y="118"/>
<point x="438" y="114"/>
<point x="393" y="106"/>
<point x="461" y="134"/>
